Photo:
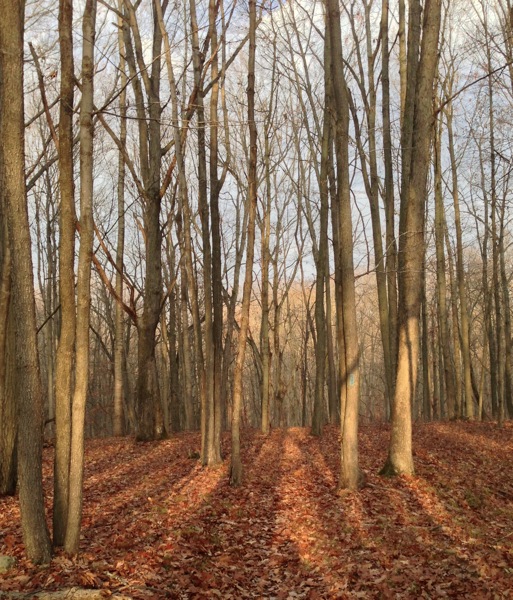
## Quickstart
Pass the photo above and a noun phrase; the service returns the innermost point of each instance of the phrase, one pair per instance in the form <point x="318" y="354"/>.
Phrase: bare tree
<point x="67" y="218"/>
<point x="348" y="334"/>
<point x="27" y="375"/>
<point x="236" y="463"/>
<point x="76" y="471"/>
<point x="416" y="134"/>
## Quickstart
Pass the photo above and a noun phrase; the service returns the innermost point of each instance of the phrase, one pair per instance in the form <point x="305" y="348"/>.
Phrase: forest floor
<point x="157" y="525"/>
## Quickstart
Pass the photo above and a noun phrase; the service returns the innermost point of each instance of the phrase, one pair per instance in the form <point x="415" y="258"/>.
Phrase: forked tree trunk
<point x="417" y="129"/>
<point x="76" y="472"/>
<point x="150" y="422"/>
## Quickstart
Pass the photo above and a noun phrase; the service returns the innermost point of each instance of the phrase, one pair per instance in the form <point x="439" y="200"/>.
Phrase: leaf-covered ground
<point x="157" y="525"/>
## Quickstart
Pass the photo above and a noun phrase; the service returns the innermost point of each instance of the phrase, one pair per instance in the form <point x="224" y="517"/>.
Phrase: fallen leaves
<point x="157" y="525"/>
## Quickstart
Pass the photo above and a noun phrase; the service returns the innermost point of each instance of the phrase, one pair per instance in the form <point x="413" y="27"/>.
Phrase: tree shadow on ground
<point x="158" y="525"/>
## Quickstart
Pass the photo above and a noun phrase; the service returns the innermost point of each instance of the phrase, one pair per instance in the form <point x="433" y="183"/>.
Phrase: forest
<point x="255" y="320"/>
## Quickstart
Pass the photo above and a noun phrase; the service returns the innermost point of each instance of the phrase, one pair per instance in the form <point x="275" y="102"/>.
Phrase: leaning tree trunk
<point x="13" y="198"/>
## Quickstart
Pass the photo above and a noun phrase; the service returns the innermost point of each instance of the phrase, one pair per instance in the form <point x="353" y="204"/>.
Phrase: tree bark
<point x="445" y="343"/>
<point x="13" y="198"/>
<point x="416" y="139"/>
<point x="66" y="348"/>
<point x="76" y="472"/>
<point x="350" y="375"/>
<point x="236" y="463"/>
<point x="119" y="336"/>
<point x="8" y="421"/>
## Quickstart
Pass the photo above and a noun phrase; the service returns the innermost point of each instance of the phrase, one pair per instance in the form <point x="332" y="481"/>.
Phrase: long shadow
<point x="397" y="539"/>
<point x="176" y="530"/>
<point x="185" y="535"/>
<point x="488" y="458"/>
<point x="142" y="478"/>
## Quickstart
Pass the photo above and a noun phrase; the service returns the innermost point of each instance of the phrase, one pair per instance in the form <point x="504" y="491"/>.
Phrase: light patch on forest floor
<point x="157" y="525"/>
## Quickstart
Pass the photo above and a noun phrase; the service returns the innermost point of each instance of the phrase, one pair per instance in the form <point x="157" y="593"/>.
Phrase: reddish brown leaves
<point x="157" y="525"/>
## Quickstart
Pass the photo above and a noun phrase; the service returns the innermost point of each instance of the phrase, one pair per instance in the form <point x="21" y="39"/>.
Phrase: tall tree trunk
<point x="458" y="404"/>
<point x="265" y="347"/>
<point x="236" y="463"/>
<point x="211" y="453"/>
<point x="373" y="195"/>
<point x="119" y="337"/>
<point x="14" y="202"/>
<point x="416" y="139"/>
<point x="391" y="245"/>
<point x="148" y="408"/>
<point x="76" y="473"/>
<point x="321" y="263"/>
<point x="460" y="273"/>
<point x="215" y="226"/>
<point x="65" y="356"/>
<point x="447" y="360"/>
<point x="349" y="470"/>
<point x="8" y="421"/>
<point x="508" y="366"/>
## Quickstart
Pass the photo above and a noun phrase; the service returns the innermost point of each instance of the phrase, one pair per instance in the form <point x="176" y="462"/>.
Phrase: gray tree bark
<point x="14" y="202"/>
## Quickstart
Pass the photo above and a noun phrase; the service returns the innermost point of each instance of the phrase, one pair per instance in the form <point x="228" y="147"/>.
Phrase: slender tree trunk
<point x="65" y="356"/>
<point x="148" y="405"/>
<point x="448" y="369"/>
<point x="321" y="266"/>
<point x="349" y="470"/>
<point x="458" y="404"/>
<point x="508" y="367"/>
<point x="76" y="473"/>
<point x="391" y="245"/>
<point x="460" y="274"/>
<point x="119" y="346"/>
<point x="210" y="451"/>
<point x="373" y="194"/>
<point x="215" y="226"/>
<point x="402" y="56"/>
<point x="236" y="463"/>
<point x="265" y="347"/>
<point x="14" y="202"/>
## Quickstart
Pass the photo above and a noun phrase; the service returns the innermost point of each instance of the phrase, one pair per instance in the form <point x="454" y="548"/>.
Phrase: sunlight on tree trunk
<point x="417" y="129"/>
